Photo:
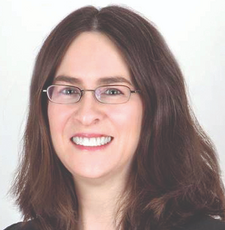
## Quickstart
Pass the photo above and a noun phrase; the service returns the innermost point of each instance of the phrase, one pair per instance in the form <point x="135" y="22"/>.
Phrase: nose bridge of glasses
<point x="94" y="92"/>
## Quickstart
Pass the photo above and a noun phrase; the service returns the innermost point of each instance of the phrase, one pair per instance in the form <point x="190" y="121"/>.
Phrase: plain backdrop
<point x="194" y="30"/>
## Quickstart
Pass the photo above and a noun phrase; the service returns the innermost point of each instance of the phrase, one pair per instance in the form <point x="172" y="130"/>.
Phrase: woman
<point x="111" y="142"/>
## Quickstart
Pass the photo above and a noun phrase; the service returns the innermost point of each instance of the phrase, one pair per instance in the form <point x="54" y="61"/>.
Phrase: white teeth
<point x="91" y="141"/>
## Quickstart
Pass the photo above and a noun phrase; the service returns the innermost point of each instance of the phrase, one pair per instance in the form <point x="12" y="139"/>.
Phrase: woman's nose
<point x="89" y="111"/>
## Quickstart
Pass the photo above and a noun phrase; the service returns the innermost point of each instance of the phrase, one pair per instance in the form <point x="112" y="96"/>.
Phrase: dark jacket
<point x="207" y="223"/>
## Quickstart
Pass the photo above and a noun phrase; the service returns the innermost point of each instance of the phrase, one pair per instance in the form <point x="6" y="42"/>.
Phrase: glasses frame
<point x="88" y="90"/>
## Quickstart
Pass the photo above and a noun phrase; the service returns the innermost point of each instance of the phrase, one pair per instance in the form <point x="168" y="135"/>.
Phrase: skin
<point x="99" y="175"/>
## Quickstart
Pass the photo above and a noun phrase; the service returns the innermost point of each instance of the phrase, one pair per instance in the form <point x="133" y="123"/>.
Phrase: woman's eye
<point x="69" y="91"/>
<point x="113" y="91"/>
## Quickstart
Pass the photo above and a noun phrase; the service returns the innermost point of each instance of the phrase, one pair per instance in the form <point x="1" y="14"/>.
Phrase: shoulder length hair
<point x="175" y="175"/>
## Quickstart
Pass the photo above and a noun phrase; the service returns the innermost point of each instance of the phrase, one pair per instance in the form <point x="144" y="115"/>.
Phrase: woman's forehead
<point x="93" y="56"/>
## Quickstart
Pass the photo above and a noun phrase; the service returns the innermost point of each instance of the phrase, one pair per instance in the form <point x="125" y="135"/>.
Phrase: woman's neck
<point x="99" y="202"/>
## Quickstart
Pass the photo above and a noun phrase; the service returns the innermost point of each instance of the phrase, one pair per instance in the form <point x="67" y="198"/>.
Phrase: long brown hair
<point x="175" y="175"/>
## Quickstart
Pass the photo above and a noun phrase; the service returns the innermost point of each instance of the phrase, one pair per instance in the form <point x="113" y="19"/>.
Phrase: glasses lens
<point x="113" y="94"/>
<point x="64" y="94"/>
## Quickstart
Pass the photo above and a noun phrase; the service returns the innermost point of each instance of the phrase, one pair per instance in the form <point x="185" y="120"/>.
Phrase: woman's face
<point x="93" y="60"/>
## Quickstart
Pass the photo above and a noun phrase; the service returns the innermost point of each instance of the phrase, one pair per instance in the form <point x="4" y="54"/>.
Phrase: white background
<point x="194" y="30"/>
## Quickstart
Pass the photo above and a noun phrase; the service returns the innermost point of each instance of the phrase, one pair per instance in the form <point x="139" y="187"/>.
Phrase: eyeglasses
<point x="108" y="94"/>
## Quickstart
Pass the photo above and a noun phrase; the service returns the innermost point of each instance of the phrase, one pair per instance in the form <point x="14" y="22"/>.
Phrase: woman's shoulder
<point x="206" y="223"/>
<point x="22" y="226"/>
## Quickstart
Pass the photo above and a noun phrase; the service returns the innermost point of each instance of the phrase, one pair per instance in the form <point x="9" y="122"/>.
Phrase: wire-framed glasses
<point x="108" y="94"/>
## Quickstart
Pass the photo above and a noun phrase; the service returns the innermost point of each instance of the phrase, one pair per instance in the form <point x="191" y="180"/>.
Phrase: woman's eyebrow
<point x="100" y="81"/>
<point x="67" y="79"/>
<point x="110" y="80"/>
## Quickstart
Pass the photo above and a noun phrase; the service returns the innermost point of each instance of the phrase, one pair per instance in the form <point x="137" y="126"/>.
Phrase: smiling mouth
<point x="92" y="142"/>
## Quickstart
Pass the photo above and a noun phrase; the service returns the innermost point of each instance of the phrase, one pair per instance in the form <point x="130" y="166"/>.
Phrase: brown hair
<point x="175" y="175"/>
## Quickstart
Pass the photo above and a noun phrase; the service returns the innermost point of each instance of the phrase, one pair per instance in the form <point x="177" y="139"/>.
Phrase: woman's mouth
<point x="92" y="142"/>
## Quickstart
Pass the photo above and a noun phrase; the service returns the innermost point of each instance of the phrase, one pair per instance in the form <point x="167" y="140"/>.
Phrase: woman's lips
<point x="91" y="141"/>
